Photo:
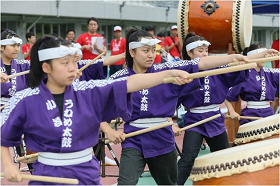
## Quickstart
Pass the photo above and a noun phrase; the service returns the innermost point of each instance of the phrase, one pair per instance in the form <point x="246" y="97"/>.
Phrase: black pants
<point x="191" y="146"/>
<point x="163" y="168"/>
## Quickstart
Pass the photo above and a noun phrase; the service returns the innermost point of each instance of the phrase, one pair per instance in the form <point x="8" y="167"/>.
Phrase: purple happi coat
<point x="214" y="92"/>
<point x="15" y="84"/>
<point x="156" y="102"/>
<point x="33" y="112"/>
<point x="261" y="86"/>
<point x="93" y="71"/>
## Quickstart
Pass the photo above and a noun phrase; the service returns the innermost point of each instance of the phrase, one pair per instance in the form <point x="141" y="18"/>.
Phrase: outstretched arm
<point x="142" y="81"/>
<point x="113" y="59"/>
<point x="270" y="52"/>
<point x="215" y="61"/>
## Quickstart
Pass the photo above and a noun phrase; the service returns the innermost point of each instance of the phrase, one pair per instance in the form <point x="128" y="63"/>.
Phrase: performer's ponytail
<point x="36" y="74"/>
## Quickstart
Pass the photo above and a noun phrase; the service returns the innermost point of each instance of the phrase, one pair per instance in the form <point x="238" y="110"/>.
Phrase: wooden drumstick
<point x="165" y="125"/>
<point x="30" y="156"/>
<point x="261" y="60"/>
<point x="200" y="122"/>
<point x="18" y="74"/>
<point x="47" y="179"/>
<point x="247" y="117"/>
<point x="144" y="131"/>
<point x="2" y="107"/>
<point x="214" y="72"/>
<point x="92" y="61"/>
<point x="80" y="70"/>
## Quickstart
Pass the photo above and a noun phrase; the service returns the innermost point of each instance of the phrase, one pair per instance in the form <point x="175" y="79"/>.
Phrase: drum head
<point x="242" y="24"/>
<point x="231" y="22"/>
<point x="182" y="23"/>
<point x="259" y="129"/>
<point x="236" y="160"/>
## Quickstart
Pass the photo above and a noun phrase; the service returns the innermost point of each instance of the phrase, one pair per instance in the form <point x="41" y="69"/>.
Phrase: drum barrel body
<point x="215" y="28"/>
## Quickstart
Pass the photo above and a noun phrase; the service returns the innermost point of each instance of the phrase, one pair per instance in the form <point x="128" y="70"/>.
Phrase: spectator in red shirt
<point x="151" y="30"/>
<point x="26" y="48"/>
<point x="275" y="45"/>
<point x="172" y="43"/>
<point x="117" y="46"/>
<point x="70" y="35"/>
<point x="86" y="42"/>
<point x="275" y="64"/>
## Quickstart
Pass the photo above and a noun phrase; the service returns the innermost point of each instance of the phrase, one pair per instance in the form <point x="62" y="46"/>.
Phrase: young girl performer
<point x="60" y="119"/>
<point x="201" y="104"/>
<point x="152" y="107"/>
<point x="258" y="91"/>
<point x="10" y="47"/>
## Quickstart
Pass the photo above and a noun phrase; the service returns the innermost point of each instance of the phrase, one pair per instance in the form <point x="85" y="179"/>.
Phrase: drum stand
<point x="17" y="152"/>
<point x="101" y="148"/>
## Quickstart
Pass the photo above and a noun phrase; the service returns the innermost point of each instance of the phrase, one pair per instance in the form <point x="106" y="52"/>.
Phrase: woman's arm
<point x="142" y="81"/>
<point x="215" y="61"/>
<point x="12" y="173"/>
<point x="114" y="136"/>
<point x="113" y="59"/>
<point x="4" y="77"/>
<point x="233" y="114"/>
<point x="270" y="52"/>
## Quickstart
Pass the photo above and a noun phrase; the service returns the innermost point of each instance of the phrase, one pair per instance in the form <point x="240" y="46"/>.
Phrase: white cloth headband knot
<point x="259" y="50"/>
<point x="196" y="44"/>
<point x="78" y="46"/>
<point x="143" y="42"/>
<point x="11" y="41"/>
<point x="57" y="52"/>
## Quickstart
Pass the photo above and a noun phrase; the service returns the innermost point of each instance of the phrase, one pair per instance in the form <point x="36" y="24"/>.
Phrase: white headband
<point x="259" y="50"/>
<point x="195" y="44"/>
<point x="11" y="41"/>
<point x="58" y="52"/>
<point x="78" y="46"/>
<point x="143" y="42"/>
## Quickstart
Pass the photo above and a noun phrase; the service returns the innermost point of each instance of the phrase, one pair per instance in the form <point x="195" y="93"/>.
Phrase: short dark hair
<point x="92" y="19"/>
<point x="70" y="30"/>
<point x="7" y="34"/>
<point x="161" y="34"/>
<point x="150" y="28"/>
<point x="28" y="35"/>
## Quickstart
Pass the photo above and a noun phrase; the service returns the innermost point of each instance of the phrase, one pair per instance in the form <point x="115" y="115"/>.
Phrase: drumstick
<point x="30" y="156"/>
<point x="247" y="117"/>
<point x="92" y="61"/>
<point x="258" y="60"/>
<point x="47" y="179"/>
<point x="18" y="74"/>
<point x="2" y="107"/>
<point x="144" y="131"/>
<point x="80" y="70"/>
<point x="200" y="122"/>
<point x="214" y="72"/>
